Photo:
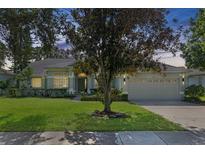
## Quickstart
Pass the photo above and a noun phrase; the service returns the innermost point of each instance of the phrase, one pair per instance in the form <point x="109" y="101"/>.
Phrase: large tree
<point x="27" y="32"/>
<point x="2" y="54"/>
<point x="194" y="48"/>
<point x="114" y="41"/>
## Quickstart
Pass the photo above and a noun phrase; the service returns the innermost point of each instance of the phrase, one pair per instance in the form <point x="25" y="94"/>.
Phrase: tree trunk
<point x="107" y="98"/>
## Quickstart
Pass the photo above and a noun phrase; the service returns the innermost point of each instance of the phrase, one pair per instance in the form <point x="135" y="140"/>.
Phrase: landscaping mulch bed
<point x="98" y="113"/>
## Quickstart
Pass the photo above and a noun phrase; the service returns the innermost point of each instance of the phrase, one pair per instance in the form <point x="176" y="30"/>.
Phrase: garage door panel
<point x="153" y="89"/>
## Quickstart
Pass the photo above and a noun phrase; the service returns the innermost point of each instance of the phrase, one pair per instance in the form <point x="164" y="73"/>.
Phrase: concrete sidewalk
<point x="103" y="138"/>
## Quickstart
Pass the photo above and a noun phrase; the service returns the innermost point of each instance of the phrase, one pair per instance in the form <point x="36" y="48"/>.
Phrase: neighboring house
<point x="169" y="84"/>
<point x="58" y="74"/>
<point x="5" y="74"/>
<point x="196" y="77"/>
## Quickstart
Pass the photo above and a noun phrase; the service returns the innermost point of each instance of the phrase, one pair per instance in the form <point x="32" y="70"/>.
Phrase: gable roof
<point x="38" y="67"/>
<point x="170" y="68"/>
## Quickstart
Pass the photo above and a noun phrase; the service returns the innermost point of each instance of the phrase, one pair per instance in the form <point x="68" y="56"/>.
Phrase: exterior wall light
<point x="183" y="79"/>
<point x="124" y="79"/>
<point x="82" y="75"/>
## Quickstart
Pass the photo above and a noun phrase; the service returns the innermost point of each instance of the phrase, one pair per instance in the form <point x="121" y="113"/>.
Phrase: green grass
<point x="43" y="114"/>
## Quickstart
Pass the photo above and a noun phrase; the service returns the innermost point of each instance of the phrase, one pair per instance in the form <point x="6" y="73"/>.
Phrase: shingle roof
<point x="166" y="67"/>
<point x="39" y="66"/>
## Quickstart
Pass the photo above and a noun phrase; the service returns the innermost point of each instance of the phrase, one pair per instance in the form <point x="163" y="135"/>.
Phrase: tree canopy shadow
<point x="90" y="138"/>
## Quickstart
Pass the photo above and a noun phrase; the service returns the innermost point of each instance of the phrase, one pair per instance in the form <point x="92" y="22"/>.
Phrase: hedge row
<point x="121" y="97"/>
<point x="54" y="93"/>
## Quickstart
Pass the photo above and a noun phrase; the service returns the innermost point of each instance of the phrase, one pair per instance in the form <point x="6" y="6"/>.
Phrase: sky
<point x="183" y="17"/>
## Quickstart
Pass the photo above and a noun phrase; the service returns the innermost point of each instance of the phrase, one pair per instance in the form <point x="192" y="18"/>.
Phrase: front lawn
<point x="43" y="114"/>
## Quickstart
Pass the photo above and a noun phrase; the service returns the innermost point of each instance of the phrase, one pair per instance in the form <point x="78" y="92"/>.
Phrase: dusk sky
<point x="183" y="18"/>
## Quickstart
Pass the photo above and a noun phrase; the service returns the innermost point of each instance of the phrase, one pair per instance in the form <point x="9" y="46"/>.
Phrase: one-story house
<point x="169" y="84"/>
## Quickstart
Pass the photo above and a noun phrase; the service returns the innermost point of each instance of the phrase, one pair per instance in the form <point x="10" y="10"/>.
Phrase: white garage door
<point x="160" y="88"/>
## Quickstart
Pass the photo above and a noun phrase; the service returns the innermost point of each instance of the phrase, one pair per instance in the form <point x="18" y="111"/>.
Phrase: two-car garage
<point x="155" y="86"/>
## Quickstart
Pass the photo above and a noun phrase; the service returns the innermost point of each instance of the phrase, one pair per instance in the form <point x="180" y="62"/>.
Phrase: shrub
<point x="3" y="85"/>
<point x="14" y="92"/>
<point x="115" y="92"/>
<point x="194" y="91"/>
<point x="93" y="91"/>
<point x="54" y="93"/>
<point x="91" y="98"/>
<point x="35" y="92"/>
<point x="57" y="93"/>
<point x="120" y="97"/>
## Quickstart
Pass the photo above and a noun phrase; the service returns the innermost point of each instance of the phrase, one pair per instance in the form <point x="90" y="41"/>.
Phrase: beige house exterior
<point x="58" y="74"/>
<point x="169" y="84"/>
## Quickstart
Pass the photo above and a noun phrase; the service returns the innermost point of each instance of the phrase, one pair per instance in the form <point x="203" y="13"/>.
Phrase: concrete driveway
<point x="190" y="116"/>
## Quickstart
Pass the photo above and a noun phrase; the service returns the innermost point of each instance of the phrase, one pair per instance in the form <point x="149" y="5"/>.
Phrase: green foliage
<point x="3" y="85"/>
<point x="22" y="28"/>
<point x="57" y="93"/>
<point x="116" y="95"/>
<point x="120" y="97"/>
<point x="109" y="40"/>
<point x="114" y="92"/>
<point x="194" y="49"/>
<point x="23" y="78"/>
<point x="25" y="74"/>
<point x="194" y="91"/>
<point x="91" y="98"/>
<point x="112" y="41"/>
<point x="14" y="92"/>
<point x="2" y="54"/>
<point x="52" y="93"/>
<point x="202" y="99"/>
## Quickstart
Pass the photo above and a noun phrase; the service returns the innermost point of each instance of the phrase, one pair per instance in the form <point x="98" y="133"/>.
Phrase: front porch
<point x="81" y="83"/>
<point x="74" y="83"/>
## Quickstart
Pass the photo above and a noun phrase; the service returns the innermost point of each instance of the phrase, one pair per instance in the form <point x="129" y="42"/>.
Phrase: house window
<point x="36" y="82"/>
<point x="60" y="80"/>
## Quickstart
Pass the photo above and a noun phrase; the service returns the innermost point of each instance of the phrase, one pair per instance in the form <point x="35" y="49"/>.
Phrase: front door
<point x="82" y="85"/>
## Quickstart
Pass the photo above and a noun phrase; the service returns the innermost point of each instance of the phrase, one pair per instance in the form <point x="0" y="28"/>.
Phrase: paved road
<point x="103" y="138"/>
<point x="190" y="116"/>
